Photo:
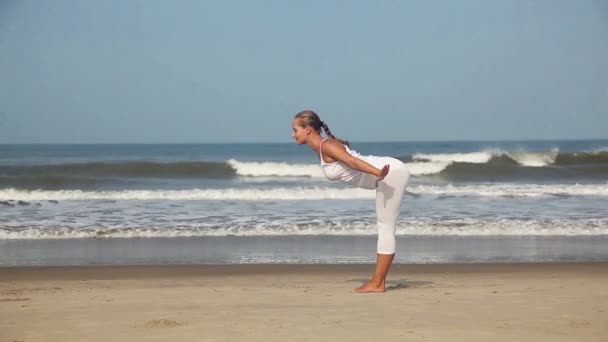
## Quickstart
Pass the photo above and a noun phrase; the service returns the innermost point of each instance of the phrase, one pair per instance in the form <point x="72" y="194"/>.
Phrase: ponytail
<point x="329" y="134"/>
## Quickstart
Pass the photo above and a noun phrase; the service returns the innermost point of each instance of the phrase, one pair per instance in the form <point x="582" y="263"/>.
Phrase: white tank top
<point x="338" y="171"/>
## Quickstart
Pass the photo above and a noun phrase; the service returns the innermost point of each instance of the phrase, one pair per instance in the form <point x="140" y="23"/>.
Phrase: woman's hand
<point x="383" y="172"/>
<point x="337" y="152"/>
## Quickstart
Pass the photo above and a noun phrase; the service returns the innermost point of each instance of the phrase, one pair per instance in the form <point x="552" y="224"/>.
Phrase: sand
<point x="468" y="302"/>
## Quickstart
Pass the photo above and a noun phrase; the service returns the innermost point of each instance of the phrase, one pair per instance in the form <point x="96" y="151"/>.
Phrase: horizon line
<point x="290" y="142"/>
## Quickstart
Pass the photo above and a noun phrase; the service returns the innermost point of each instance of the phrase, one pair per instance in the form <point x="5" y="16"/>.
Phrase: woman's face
<point x="299" y="133"/>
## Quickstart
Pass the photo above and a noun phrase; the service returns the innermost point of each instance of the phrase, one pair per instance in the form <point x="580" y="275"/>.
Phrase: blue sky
<point x="149" y="71"/>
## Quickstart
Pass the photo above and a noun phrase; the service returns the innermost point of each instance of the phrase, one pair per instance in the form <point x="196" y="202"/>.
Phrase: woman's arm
<point x="337" y="152"/>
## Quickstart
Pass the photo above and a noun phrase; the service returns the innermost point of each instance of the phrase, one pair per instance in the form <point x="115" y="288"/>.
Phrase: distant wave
<point x="304" y="193"/>
<point x="326" y="226"/>
<point x="491" y="165"/>
<point x="600" y="149"/>
<point x="583" y="158"/>
<point x="496" y="165"/>
<point x="530" y="159"/>
<point x="124" y="169"/>
<point x="52" y="176"/>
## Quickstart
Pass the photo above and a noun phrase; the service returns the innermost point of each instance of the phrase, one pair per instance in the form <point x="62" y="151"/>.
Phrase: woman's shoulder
<point x="332" y="145"/>
<point x="332" y="142"/>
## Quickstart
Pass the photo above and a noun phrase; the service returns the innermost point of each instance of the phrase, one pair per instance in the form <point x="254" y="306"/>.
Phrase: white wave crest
<point x="305" y="193"/>
<point x="473" y="157"/>
<point x="426" y="168"/>
<point x="505" y="227"/>
<point x="534" y="159"/>
<point x="422" y="164"/>
<point x="295" y="193"/>
<point x="600" y="149"/>
<point x="531" y="159"/>
<point x="270" y="169"/>
<point x="428" y="164"/>
<point x="264" y="169"/>
<point x="513" y="190"/>
<point x="407" y="227"/>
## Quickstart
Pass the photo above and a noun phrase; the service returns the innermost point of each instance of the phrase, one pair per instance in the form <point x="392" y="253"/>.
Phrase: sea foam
<point x="293" y="227"/>
<point x="307" y="193"/>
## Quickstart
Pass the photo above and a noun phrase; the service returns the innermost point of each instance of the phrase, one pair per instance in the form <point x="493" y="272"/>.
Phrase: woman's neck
<point x="314" y="141"/>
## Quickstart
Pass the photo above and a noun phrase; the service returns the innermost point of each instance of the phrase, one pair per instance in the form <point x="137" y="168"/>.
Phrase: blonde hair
<point x="310" y="118"/>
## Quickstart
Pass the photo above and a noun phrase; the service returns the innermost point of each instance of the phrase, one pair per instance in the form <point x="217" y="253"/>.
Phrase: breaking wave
<point x="492" y="165"/>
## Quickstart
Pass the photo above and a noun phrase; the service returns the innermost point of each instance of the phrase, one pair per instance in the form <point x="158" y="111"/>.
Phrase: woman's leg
<point x="388" y="202"/>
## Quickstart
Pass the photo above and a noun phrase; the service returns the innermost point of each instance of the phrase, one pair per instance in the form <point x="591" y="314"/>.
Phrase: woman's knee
<point x="386" y="244"/>
<point x="386" y="238"/>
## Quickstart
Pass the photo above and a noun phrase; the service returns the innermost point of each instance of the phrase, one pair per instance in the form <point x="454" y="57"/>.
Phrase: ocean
<point x="480" y="201"/>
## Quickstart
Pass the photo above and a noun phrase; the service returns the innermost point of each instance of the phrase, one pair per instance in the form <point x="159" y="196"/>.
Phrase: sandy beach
<point x="459" y="302"/>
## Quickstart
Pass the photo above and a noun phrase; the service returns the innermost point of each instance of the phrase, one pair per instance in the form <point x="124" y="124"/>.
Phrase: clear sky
<point x="88" y="71"/>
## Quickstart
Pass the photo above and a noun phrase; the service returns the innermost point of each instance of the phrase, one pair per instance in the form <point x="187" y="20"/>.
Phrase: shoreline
<point x="111" y="272"/>
<point x="295" y="250"/>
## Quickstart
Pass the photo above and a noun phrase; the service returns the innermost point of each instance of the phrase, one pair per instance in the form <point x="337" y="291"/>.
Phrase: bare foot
<point x="370" y="287"/>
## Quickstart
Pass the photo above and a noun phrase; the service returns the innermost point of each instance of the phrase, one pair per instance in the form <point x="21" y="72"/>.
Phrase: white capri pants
<point x="389" y="194"/>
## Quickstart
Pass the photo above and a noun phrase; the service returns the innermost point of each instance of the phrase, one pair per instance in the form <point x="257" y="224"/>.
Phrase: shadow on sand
<point x="399" y="284"/>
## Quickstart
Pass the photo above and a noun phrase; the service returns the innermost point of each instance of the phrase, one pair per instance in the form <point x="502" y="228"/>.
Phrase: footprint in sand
<point x="13" y="299"/>
<point x="579" y="324"/>
<point x="11" y="292"/>
<point x="162" y="323"/>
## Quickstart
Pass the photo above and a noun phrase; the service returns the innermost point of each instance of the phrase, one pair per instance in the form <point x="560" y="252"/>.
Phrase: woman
<point x="368" y="172"/>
